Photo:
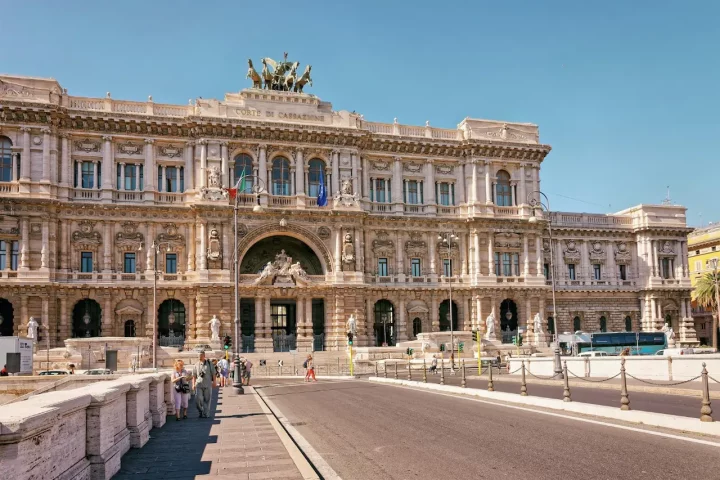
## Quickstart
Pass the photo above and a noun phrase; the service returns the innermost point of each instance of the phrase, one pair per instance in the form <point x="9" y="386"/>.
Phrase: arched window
<point x="628" y="324"/>
<point x="577" y="324"/>
<point x="6" y="164"/>
<point x="130" y="328"/>
<point x="280" y="176"/>
<point x="243" y="167"/>
<point x="417" y="326"/>
<point x="603" y="324"/>
<point x="316" y="170"/>
<point x="503" y="190"/>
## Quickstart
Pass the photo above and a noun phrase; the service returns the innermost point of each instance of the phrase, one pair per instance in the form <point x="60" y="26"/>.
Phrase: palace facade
<point x="97" y="194"/>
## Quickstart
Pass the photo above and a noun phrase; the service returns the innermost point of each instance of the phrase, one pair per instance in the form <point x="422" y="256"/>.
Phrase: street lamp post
<point x="717" y="304"/>
<point x="545" y="207"/>
<point x="446" y="241"/>
<point x="156" y="251"/>
<point x="256" y="187"/>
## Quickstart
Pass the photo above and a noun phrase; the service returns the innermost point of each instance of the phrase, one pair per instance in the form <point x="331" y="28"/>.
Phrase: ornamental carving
<point x="444" y="169"/>
<point x="214" y="250"/>
<point x="282" y="272"/>
<point x="129" y="148"/>
<point x="622" y="254"/>
<point x="546" y="250"/>
<point x="413" y="167"/>
<point x="380" y="165"/>
<point x="416" y="246"/>
<point x="382" y="245"/>
<point x="597" y="252"/>
<point x="129" y="237"/>
<point x="171" y="237"/>
<point x="241" y="230"/>
<point x="666" y="249"/>
<point x="348" y="250"/>
<point x="9" y="226"/>
<point x="87" y="146"/>
<point x="86" y="235"/>
<point x="571" y="253"/>
<point x="170" y="151"/>
<point x="508" y="241"/>
<point x="323" y="232"/>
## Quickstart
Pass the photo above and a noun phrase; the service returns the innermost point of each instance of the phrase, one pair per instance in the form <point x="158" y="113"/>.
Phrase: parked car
<point x="594" y="354"/>
<point x="98" y="371"/>
<point x="202" y="348"/>
<point x="53" y="372"/>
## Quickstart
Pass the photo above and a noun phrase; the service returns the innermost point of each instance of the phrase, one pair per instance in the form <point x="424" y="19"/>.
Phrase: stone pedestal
<point x="156" y="395"/>
<point x="139" y="419"/>
<point x="108" y="437"/>
<point x="539" y="339"/>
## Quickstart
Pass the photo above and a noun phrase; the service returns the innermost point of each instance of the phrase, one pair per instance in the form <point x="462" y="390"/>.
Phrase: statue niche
<point x="348" y="251"/>
<point x="214" y="249"/>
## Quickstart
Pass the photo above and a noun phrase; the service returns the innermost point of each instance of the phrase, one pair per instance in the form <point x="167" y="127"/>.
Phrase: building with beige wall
<point x="703" y="248"/>
<point x="88" y="184"/>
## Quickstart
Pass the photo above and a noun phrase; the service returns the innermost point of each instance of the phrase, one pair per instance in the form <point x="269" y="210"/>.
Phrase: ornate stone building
<point x="89" y="185"/>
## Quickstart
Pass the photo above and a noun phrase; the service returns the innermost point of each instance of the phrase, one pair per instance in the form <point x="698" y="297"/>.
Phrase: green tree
<point x="706" y="295"/>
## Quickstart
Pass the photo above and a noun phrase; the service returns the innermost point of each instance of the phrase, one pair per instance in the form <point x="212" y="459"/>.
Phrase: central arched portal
<point x="268" y="248"/>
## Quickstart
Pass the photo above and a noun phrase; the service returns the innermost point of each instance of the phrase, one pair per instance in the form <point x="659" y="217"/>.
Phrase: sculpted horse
<point x="252" y="74"/>
<point x="266" y="75"/>
<point x="304" y="79"/>
<point x="291" y="78"/>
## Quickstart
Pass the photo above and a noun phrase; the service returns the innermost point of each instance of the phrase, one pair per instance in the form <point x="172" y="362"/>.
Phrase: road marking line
<point x="579" y="419"/>
<point x="318" y="462"/>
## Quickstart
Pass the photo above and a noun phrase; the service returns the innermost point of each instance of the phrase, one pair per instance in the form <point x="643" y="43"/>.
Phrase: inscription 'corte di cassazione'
<point x="246" y="112"/>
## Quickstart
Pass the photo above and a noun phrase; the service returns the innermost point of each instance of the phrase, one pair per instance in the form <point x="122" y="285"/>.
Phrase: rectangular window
<point x="118" y="171"/>
<point x="14" y="254"/>
<point x="86" y="262"/>
<point x="129" y="264"/>
<point x="141" y="177"/>
<point x="171" y="179"/>
<point x="623" y="272"/>
<point x="546" y="270"/>
<point x="159" y="180"/>
<point x="507" y="265"/>
<point x="88" y="175"/>
<point x="182" y="179"/>
<point x="170" y="263"/>
<point x="412" y="195"/>
<point x="497" y="264"/>
<point x="415" y="267"/>
<point x="3" y="254"/>
<point x="666" y="268"/>
<point x="447" y="267"/>
<point x="6" y="174"/>
<point x="444" y="189"/>
<point x="571" y="271"/>
<point x="130" y="180"/>
<point x="380" y="190"/>
<point x="383" y="267"/>
<point x="516" y="264"/>
<point x="596" y="271"/>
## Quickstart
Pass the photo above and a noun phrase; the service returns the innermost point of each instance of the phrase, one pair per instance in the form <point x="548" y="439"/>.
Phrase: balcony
<point x="123" y="196"/>
<point x="447" y="210"/>
<point x="86" y="194"/>
<point x="8" y="188"/>
<point x="381" y="207"/>
<point x="169" y="197"/>
<point x="507" y="211"/>
<point x="282" y="201"/>
<point x="414" y="209"/>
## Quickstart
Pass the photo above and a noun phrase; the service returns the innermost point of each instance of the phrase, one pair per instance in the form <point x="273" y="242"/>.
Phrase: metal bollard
<point x="624" y="397"/>
<point x="424" y="371"/>
<point x="566" y="389"/>
<point x="338" y="370"/>
<point x="706" y="409"/>
<point x="442" y="371"/>
<point x="409" y="374"/>
<point x="463" y="384"/>
<point x="491" y="385"/>
<point x="376" y="369"/>
<point x="384" y="369"/>
<point x="523" y="384"/>
<point x="396" y="375"/>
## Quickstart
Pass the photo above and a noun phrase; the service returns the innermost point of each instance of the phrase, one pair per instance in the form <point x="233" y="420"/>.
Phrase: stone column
<point x="203" y="248"/>
<point x="430" y="182"/>
<point x="299" y="171"/>
<point x="464" y="320"/>
<point x="189" y="166"/>
<point x="107" y="247"/>
<point x="399" y="254"/>
<point x="65" y="165"/>
<point x="491" y="256"/>
<point x="528" y="317"/>
<point x="434" y="313"/>
<point x="464" y="253"/>
<point x="300" y="327"/>
<point x="224" y="164"/>
<point x="203" y="162"/>
<point x="584" y="262"/>
<point x="355" y="173"/>
<point x="149" y="254"/>
<point x="46" y="156"/>
<point x="656" y="264"/>
<point x="366" y="179"/>
<point x="25" y="246"/>
<point x="540" y="257"/>
<point x="460" y="176"/>
<point x="488" y="186"/>
<point x="262" y="172"/>
<point x="402" y="333"/>
<point x="267" y="320"/>
<point x="526" y="256"/>
<point x="96" y="184"/>
<point x="536" y="178"/>
<point x="190" y="238"/>
<point x="63" y="320"/>
<point x="150" y="170"/>
<point x="44" y="327"/>
<point x="107" y="163"/>
<point x="521" y="188"/>
<point x="21" y="328"/>
<point x="258" y="318"/>
<point x="44" y="252"/>
<point x="122" y="176"/>
<point x="107" y="317"/>
<point x="137" y="178"/>
<point x="397" y="184"/>
<point x="431" y="253"/>
<point x="26" y="157"/>
<point x="163" y="180"/>
<point x="338" y="250"/>
<point x="359" y="252"/>
<point x="479" y="314"/>
<point x="64" y="241"/>
<point x="653" y="309"/>
<point x="335" y="171"/>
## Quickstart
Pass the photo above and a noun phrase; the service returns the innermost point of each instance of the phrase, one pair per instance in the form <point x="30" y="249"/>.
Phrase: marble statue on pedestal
<point x="537" y="323"/>
<point x="669" y="335"/>
<point x="352" y="324"/>
<point x="32" y="329"/>
<point x="215" y="328"/>
<point x="490" y="327"/>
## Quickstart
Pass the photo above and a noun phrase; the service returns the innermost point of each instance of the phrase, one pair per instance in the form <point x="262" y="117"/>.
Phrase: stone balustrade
<point x="82" y="433"/>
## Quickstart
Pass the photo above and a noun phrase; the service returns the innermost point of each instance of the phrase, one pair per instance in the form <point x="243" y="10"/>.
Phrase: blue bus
<point x="638" y="343"/>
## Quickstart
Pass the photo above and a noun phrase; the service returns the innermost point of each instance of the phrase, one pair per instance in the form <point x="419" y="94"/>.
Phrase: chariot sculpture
<point x="281" y="76"/>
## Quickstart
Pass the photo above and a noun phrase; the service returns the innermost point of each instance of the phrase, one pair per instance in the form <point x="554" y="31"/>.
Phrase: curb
<point x="328" y="377"/>
<point x="302" y="464"/>
<point x="661" y="420"/>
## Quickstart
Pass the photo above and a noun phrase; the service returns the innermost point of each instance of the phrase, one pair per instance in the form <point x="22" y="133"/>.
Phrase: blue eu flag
<point x="322" y="194"/>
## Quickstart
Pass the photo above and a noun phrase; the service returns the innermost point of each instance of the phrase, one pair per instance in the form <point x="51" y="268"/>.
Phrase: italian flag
<point x="239" y="186"/>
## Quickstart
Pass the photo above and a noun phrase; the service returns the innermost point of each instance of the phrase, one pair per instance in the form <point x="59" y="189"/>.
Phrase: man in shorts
<point x="224" y="367"/>
<point x="247" y="371"/>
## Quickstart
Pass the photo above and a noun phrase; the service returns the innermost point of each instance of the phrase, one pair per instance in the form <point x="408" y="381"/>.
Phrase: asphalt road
<point x="378" y="432"/>
<point x="649" y="402"/>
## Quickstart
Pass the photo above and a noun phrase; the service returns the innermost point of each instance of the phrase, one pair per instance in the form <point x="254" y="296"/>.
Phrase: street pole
<point x="717" y="305"/>
<point x="479" y="340"/>
<point x="155" y="248"/>
<point x="446" y="238"/>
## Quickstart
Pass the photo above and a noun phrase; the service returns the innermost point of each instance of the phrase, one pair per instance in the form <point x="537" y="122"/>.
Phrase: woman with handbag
<point x="181" y="389"/>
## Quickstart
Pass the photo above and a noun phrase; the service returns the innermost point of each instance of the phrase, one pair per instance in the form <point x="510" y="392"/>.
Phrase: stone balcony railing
<point x="135" y="108"/>
<point x="84" y="432"/>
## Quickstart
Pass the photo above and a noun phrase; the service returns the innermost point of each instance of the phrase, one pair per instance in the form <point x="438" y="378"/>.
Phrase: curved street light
<point x="447" y="239"/>
<point x="155" y="246"/>
<point x="536" y="204"/>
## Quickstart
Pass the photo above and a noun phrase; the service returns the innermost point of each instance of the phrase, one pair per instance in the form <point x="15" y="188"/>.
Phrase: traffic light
<point x="520" y="339"/>
<point x="442" y="347"/>
<point x="514" y="340"/>
<point x="461" y="347"/>
<point x="350" y="338"/>
<point x="409" y="352"/>
<point x="227" y="342"/>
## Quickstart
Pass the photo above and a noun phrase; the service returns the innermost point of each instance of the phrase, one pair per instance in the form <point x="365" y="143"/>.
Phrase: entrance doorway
<point x="318" y="322"/>
<point x="444" y="316"/>
<point x="86" y="319"/>
<point x="247" y="324"/>
<point x="283" y="325"/>
<point x="508" y="320"/>
<point x="6" y="318"/>
<point x="384" y="324"/>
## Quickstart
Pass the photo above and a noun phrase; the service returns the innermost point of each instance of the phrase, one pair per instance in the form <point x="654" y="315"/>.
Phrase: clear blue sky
<point x="626" y="92"/>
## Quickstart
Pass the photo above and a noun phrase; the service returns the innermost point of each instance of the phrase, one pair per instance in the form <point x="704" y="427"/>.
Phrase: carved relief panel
<point x="129" y="240"/>
<point x="383" y="247"/>
<point x="172" y="242"/>
<point x="85" y="239"/>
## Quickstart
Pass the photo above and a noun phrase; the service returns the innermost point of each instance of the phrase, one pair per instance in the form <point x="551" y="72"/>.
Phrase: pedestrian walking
<point x="4" y="372"/>
<point x="433" y="365"/>
<point x="203" y="383"/>
<point x="309" y="369"/>
<point x="181" y="389"/>
<point x="224" y="366"/>
<point x="247" y="371"/>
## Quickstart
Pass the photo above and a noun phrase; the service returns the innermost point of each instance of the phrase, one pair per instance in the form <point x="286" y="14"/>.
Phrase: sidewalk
<point x="238" y="441"/>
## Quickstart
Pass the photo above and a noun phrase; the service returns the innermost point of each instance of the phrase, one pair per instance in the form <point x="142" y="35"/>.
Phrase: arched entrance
<point x="6" y="318"/>
<point x="265" y="251"/>
<point x="444" y="320"/>
<point x="417" y="326"/>
<point x="171" y="323"/>
<point x="87" y="319"/>
<point x="384" y="324"/>
<point x="130" y="328"/>
<point x="508" y="320"/>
